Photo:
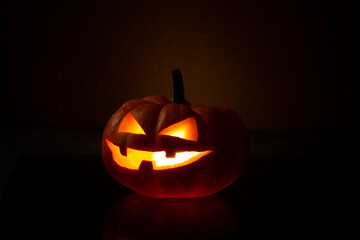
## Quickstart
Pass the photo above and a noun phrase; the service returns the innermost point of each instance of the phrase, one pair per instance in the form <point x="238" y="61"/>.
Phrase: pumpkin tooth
<point x="170" y="154"/>
<point x="146" y="167"/>
<point x="123" y="150"/>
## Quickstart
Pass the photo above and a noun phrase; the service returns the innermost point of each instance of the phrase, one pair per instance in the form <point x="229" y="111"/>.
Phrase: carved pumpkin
<point x="167" y="149"/>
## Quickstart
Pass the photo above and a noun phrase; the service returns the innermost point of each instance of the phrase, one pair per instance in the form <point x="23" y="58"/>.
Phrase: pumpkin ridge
<point x="219" y="130"/>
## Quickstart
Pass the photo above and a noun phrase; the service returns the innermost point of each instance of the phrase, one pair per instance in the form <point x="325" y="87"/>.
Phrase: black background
<point x="280" y="65"/>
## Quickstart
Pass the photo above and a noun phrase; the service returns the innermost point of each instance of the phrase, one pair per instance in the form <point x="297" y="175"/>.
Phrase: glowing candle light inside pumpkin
<point x="185" y="129"/>
<point x="174" y="146"/>
<point x="160" y="161"/>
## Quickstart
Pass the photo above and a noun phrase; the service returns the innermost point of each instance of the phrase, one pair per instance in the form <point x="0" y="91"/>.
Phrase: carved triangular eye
<point x="130" y="125"/>
<point x="185" y="129"/>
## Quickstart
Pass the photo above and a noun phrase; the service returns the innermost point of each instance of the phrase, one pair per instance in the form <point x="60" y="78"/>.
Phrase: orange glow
<point x="130" y="125"/>
<point x="160" y="161"/>
<point x="185" y="129"/>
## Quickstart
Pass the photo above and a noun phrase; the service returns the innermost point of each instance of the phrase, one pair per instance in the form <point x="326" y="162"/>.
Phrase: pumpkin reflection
<point x="140" y="217"/>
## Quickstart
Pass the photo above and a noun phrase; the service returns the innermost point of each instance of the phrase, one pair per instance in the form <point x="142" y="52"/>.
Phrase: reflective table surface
<point x="73" y="197"/>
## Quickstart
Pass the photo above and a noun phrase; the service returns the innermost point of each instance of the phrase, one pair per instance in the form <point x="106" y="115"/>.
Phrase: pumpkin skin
<point x="220" y="133"/>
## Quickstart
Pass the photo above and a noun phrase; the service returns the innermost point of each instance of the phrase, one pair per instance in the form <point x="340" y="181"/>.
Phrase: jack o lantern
<point x="166" y="148"/>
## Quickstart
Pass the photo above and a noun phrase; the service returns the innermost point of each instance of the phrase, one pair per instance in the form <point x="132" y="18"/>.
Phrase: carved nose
<point x="146" y="167"/>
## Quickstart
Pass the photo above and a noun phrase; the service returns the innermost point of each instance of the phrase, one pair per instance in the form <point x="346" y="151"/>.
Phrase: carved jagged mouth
<point x="159" y="160"/>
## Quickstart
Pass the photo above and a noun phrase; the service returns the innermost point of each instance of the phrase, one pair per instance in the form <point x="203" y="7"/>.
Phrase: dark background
<point x="281" y="65"/>
<point x="286" y="67"/>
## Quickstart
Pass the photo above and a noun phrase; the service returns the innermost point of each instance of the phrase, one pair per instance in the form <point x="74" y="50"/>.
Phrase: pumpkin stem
<point x="179" y="96"/>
